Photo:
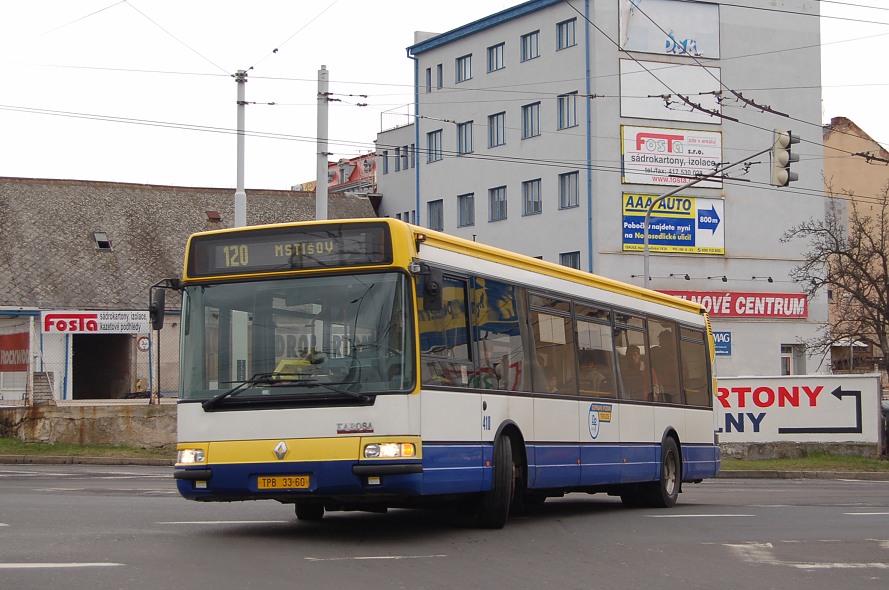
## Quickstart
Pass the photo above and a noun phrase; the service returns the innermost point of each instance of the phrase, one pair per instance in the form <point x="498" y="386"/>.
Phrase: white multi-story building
<point x="548" y="128"/>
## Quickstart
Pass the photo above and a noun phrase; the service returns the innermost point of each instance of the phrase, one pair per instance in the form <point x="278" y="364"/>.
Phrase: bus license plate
<point x="283" y="482"/>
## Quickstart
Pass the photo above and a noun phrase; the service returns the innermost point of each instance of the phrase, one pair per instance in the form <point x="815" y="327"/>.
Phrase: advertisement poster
<point x="669" y="157"/>
<point x="691" y="225"/>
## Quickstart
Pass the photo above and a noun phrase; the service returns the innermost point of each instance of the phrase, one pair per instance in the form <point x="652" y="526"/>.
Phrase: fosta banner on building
<point x="669" y="157"/>
<point x="94" y="322"/>
<point x="731" y="304"/>
<point x="798" y="408"/>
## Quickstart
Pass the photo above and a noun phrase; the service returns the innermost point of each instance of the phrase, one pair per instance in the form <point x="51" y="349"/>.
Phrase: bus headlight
<point x="190" y="456"/>
<point x="390" y="450"/>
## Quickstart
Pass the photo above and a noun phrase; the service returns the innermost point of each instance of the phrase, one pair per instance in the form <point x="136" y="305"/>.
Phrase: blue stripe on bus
<point x="464" y="468"/>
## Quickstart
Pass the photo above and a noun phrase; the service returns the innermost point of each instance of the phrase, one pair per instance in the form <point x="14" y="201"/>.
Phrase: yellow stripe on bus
<point x="302" y="449"/>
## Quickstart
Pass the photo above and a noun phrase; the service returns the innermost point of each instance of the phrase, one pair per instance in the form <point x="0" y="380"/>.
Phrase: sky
<point x="143" y="91"/>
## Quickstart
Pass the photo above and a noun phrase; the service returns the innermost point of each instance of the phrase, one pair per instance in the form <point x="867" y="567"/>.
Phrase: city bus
<point x="368" y="364"/>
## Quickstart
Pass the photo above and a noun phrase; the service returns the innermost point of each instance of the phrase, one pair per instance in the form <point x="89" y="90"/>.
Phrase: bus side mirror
<point x="156" y="308"/>
<point x="432" y="294"/>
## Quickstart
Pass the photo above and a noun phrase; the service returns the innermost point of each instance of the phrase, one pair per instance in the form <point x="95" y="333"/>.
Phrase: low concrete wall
<point x="143" y="425"/>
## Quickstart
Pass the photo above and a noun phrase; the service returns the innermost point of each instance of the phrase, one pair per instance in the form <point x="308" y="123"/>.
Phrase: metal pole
<point x="691" y="183"/>
<point x="321" y="182"/>
<point x="240" y="194"/>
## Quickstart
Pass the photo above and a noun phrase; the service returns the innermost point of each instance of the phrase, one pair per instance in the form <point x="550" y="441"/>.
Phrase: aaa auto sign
<point x="798" y="408"/>
<point x="94" y="322"/>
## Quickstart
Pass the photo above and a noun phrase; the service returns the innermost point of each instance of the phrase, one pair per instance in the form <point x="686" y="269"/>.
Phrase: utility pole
<point x="321" y="182"/>
<point x="672" y="192"/>
<point x="240" y="194"/>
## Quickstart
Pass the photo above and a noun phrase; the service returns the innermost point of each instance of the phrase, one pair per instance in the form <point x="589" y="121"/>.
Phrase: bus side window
<point x="444" y="337"/>
<point x="695" y="380"/>
<point x="554" y="340"/>
<point x="500" y="350"/>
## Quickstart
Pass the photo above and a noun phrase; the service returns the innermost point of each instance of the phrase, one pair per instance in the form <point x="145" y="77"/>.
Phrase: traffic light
<point x="782" y="158"/>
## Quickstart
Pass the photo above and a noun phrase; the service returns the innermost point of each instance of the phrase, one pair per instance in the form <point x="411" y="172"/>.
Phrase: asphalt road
<point x="83" y="527"/>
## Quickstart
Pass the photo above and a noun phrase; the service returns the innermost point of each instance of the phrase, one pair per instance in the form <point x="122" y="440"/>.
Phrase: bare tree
<point x="849" y="256"/>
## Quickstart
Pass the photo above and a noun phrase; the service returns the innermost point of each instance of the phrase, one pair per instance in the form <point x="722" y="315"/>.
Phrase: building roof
<point x="50" y="259"/>
<point x="480" y="25"/>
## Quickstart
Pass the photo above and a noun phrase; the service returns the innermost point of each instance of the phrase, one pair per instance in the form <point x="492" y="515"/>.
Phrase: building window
<point x="385" y="161"/>
<point x="531" y="120"/>
<point x="413" y="155"/>
<point x="397" y="159"/>
<point x="530" y="45"/>
<point x="531" y="197"/>
<point x="467" y="209"/>
<point x="568" y="110"/>
<point x="404" y="158"/>
<point x="464" y="137"/>
<point x="464" y="68"/>
<point x="568" y="190"/>
<point x="436" y="215"/>
<point x="433" y="146"/>
<point x="439" y="76"/>
<point x="497" y="130"/>
<point x="497" y="198"/>
<point x="565" y="33"/>
<point x="428" y="80"/>
<point x="495" y="57"/>
<point x="570" y="259"/>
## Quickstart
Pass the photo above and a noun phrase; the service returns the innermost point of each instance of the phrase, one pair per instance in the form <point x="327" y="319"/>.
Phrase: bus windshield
<point x="341" y="337"/>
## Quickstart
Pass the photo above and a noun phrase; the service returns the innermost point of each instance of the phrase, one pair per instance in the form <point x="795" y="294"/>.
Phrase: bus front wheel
<point x="309" y="511"/>
<point x="493" y="508"/>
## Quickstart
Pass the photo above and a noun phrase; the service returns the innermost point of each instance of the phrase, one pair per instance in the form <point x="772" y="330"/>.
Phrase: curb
<point x="74" y="460"/>
<point x="771" y="474"/>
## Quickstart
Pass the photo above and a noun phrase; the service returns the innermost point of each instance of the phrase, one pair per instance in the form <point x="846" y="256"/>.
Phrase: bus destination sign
<point x="289" y="248"/>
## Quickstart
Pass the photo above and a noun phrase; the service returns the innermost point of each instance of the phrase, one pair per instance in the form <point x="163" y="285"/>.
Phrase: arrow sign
<point x="839" y="394"/>
<point x="708" y="219"/>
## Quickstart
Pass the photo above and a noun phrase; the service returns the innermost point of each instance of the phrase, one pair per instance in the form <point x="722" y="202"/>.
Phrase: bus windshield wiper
<point x="257" y="379"/>
<point x="330" y="386"/>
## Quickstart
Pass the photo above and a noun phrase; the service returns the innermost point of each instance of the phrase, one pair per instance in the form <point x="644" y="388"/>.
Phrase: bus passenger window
<point x="665" y="360"/>
<point x="554" y="340"/>
<point x="444" y="337"/>
<point x="501" y="357"/>
<point x="695" y="380"/>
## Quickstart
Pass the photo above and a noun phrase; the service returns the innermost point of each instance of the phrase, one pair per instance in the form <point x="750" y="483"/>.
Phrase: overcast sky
<point x="143" y="90"/>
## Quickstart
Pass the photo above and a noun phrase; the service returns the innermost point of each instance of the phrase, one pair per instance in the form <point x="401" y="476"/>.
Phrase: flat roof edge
<point x="481" y="25"/>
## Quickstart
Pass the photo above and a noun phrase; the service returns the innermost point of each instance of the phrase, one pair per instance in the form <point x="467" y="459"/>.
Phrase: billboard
<point x="691" y="225"/>
<point x="733" y="304"/>
<point x="798" y="408"/>
<point x="669" y="157"/>
<point x="669" y="27"/>
<point x="14" y="352"/>
<point x="648" y="90"/>
<point x="94" y="322"/>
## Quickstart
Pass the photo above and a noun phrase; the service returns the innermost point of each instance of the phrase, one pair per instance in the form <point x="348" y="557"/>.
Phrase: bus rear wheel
<point x="309" y="511"/>
<point x="493" y="508"/>
<point x="665" y="492"/>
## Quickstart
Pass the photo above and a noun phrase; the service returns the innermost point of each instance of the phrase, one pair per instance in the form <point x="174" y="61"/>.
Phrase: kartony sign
<point x="798" y="408"/>
<point x="731" y="304"/>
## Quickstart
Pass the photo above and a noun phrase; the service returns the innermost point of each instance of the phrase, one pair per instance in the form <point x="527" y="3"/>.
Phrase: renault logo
<point x="280" y="449"/>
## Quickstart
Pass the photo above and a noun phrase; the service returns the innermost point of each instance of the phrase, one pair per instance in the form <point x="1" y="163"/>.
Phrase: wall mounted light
<point x="769" y="279"/>
<point x="723" y="278"/>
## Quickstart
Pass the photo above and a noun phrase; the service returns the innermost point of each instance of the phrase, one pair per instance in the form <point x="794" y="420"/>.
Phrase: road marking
<point x="13" y="566"/>
<point x="225" y="522"/>
<point x="373" y="557"/>
<point x="866" y="513"/>
<point x="700" y="515"/>
<point x="761" y="553"/>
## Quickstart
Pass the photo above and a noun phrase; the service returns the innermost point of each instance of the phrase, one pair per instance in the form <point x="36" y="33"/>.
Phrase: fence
<point x="36" y="365"/>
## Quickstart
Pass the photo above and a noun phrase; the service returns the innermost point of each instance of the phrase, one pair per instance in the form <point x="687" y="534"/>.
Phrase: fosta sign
<point x="94" y="322"/>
